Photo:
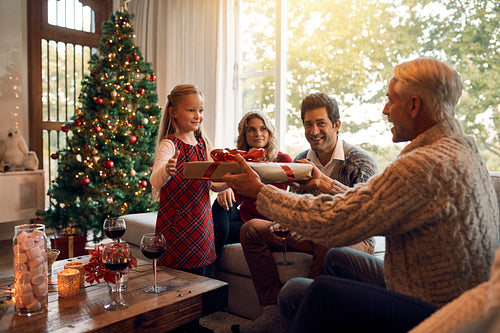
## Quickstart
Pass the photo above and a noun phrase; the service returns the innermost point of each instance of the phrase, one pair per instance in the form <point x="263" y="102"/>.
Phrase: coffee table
<point x="188" y="298"/>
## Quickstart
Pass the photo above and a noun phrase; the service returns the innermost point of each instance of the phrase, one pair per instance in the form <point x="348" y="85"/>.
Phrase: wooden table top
<point x="188" y="298"/>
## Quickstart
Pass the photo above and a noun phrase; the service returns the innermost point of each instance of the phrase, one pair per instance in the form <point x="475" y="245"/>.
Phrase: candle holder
<point x="68" y="282"/>
<point x="79" y="266"/>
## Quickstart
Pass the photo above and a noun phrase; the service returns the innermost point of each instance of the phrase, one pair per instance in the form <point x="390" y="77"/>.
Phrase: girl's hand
<point x="247" y="182"/>
<point x="171" y="166"/>
<point x="226" y="198"/>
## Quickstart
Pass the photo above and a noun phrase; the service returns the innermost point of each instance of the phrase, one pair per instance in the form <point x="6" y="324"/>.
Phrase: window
<point x="62" y="36"/>
<point x="347" y="49"/>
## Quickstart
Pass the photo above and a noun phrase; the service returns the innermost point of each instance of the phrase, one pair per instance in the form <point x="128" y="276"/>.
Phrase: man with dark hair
<point x="336" y="159"/>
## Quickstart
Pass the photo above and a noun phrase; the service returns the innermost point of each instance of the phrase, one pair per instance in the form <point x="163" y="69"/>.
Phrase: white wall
<point x="13" y="67"/>
<point x="13" y="77"/>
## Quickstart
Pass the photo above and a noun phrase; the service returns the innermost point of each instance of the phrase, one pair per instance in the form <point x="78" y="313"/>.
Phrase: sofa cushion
<point x="233" y="261"/>
<point x="138" y="225"/>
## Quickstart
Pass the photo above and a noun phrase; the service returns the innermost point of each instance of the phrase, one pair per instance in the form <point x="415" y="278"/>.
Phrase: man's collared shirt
<point x="338" y="154"/>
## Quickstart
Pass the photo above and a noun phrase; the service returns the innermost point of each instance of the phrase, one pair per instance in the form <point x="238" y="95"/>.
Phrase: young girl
<point x="255" y="130"/>
<point x="184" y="214"/>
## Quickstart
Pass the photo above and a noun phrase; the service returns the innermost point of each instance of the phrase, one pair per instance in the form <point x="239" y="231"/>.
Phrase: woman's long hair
<point x="272" y="144"/>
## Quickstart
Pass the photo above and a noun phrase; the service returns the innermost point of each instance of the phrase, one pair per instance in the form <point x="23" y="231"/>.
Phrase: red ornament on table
<point x="132" y="139"/>
<point x="85" y="181"/>
<point x="109" y="164"/>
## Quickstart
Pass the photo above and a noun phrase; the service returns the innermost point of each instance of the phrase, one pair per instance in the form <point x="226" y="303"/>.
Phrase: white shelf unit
<point x="22" y="193"/>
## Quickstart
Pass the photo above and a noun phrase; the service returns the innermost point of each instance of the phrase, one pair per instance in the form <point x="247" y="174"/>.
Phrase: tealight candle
<point x="79" y="266"/>
<point x="68" y="282"/>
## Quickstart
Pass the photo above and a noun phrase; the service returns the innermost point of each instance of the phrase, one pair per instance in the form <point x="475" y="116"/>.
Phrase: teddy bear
<point x="14" y="154"/>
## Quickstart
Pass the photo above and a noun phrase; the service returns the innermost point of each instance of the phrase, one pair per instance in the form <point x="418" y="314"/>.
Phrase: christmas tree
<point x="104" y="169"/>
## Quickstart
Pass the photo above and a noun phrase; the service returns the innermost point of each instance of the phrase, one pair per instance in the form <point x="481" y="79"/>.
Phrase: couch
<point x="233" y="268"/>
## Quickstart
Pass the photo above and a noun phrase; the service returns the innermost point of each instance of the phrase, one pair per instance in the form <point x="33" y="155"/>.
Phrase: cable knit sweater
<point x="435" y="204"/>
<point x="470" y="307"/>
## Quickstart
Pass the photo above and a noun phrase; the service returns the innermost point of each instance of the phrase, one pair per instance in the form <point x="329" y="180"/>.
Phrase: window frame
<point x="38" y="29"/>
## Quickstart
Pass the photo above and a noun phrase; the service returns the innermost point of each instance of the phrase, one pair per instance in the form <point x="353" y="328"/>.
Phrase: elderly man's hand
<point x="247" y="182"/>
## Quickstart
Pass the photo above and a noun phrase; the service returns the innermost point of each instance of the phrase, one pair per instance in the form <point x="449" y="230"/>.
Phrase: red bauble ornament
<point x="54" y="156"/>
<point x="136" y="57"/>
<point x="129" y="87"/>
<point x="98" y="100"/>
<point x="78" y="122"/>
<point x="96" y="129"/>
<point x="109" y="164"/>
<point x="152" y="77"/>
<point x="132" y="139"/>
<point x="141" y="91"/>
<point x="85" y="181"/>
<point x="143" y="184"/>
<point x="93" y="74"/>
<point x="64" y="128"/>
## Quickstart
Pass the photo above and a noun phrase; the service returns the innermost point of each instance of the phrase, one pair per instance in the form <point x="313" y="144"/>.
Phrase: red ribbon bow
<point x="229" y="155"/>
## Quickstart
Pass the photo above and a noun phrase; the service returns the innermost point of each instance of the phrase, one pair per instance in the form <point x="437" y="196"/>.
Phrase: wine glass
<point x="153" y="246"/>
<point x="114" y="228"/>
<point x="116" y="257"/>
<point x="282" y="233"/>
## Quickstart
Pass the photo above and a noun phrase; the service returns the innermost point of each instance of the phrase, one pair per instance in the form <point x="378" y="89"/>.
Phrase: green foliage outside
<point x="348" y="49"/>
<point x="104" y="169"/>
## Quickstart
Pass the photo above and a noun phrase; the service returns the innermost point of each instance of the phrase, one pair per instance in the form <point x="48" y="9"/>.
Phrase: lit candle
<point x="79" y="266"/>
<point x="68" y="282"/>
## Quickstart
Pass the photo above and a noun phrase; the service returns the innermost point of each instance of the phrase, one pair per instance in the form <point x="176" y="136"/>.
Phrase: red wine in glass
<point x="116" y="257"/>
<point x="154" y="246"/>
<point x="282" y="233"/>
<point x="116" y="264"/>
<point x="114" y="232"/>
<point x="114" y="228"/>
<point x="152" y="251"/>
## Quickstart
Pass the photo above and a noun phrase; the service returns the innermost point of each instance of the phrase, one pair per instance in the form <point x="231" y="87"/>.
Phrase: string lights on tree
<point x="104" y="169"/>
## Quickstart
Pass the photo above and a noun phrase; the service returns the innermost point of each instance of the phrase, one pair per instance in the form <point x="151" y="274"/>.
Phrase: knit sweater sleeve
<point x="387" y="204"/>
<point x="159" y="174"/>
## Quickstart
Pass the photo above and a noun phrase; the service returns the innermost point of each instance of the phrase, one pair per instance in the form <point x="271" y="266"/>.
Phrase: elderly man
<point x="336" y="159"/>
<point x="435" y="204"/>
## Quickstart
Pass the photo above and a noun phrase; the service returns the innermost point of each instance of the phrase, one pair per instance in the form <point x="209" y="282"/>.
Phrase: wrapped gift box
<point x="268" y="172"/>
<point x="70" y="246"/>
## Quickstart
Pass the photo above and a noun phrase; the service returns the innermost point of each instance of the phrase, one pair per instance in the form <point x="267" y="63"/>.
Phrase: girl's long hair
<point x="168" y="125"/>
<point x="272" y="144"/>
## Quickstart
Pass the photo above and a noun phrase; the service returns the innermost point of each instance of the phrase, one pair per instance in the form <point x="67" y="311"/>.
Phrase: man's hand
<point x="226" y="198"/>
<point x="319" y="180"/>
<point x="247" y="182"/>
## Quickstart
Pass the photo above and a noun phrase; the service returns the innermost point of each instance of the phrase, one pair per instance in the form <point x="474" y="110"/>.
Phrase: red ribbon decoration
<point x="229" y="155"/>
<point x="253" y="155"/>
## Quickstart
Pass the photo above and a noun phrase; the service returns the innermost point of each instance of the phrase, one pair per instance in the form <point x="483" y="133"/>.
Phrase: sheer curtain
<point x="193" y="41"/>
